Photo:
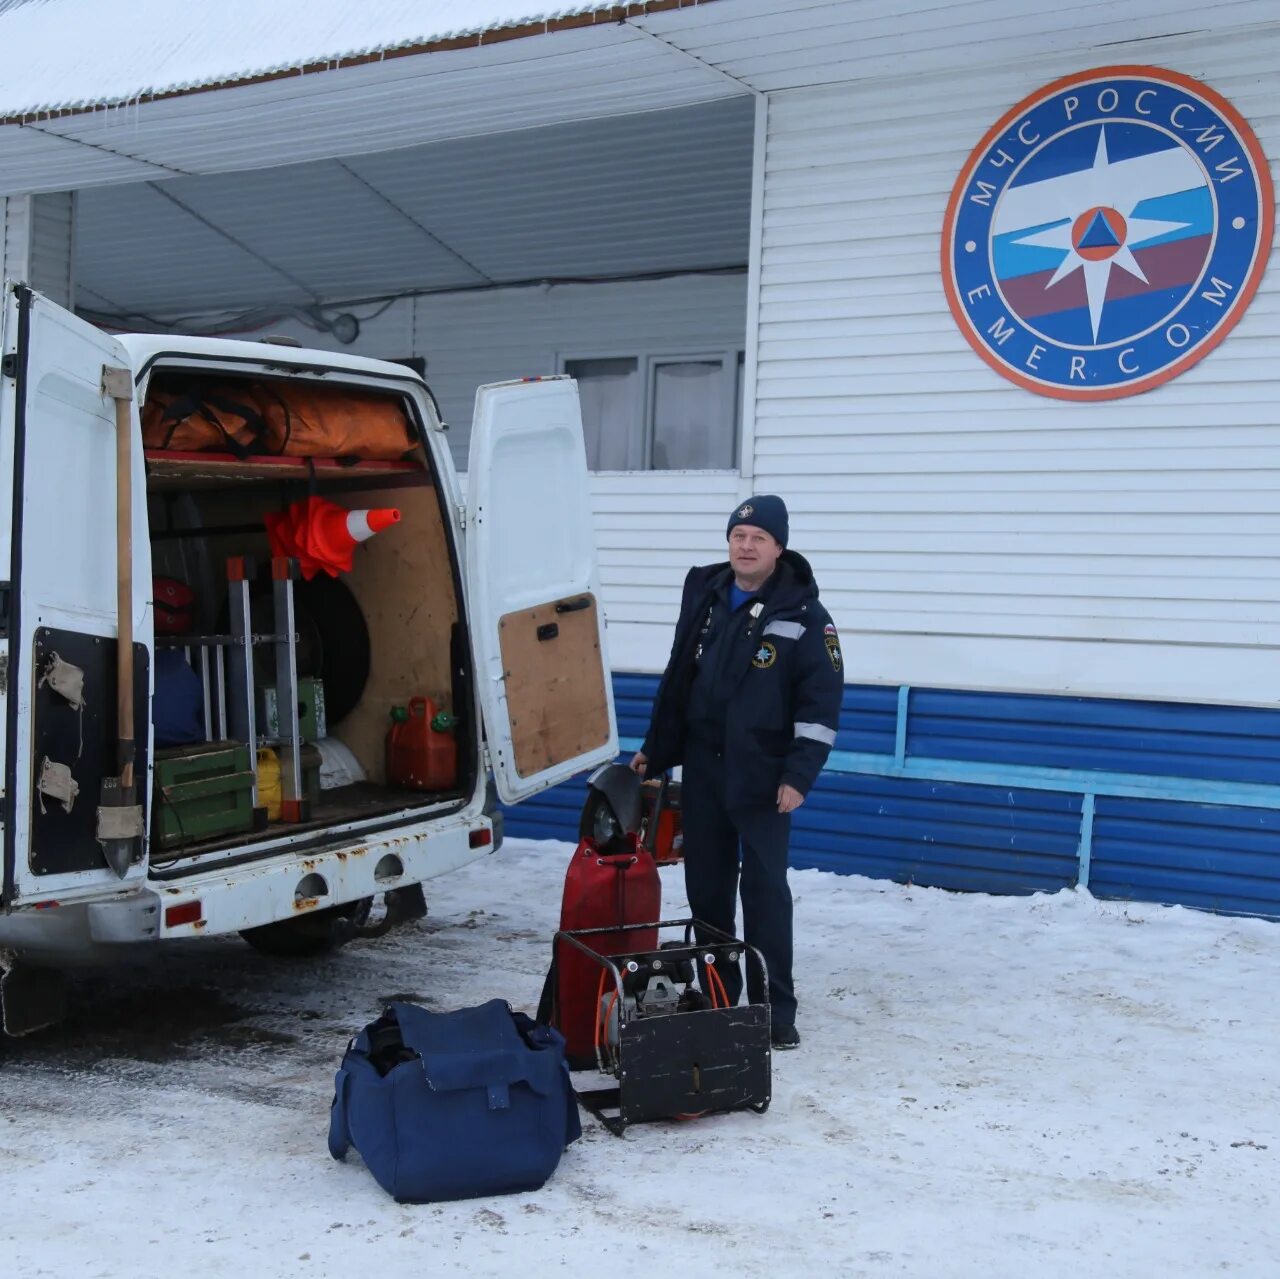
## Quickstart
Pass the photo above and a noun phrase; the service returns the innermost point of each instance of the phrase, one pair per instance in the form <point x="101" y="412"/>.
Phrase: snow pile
<point x="987" y="1086"/>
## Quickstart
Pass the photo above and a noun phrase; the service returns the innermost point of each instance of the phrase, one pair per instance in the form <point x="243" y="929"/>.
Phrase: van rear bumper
<point x="93" y="933"/>
<point x="290" y="886"/>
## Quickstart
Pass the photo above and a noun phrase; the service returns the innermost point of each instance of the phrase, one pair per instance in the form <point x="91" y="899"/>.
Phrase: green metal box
<point x="201" y="792"/>
<point x="311" y="716"/>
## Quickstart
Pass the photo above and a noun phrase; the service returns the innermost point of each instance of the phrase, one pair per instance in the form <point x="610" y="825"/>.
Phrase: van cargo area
<point x="380" y="661"/>
<point x="267" y="670"/>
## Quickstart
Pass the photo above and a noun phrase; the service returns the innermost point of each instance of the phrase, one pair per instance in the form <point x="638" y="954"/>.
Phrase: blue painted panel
<point x="991" y="838"/>
<point x="868" y="718"/>
<point x="1163" y="739"/>
<point x="1203" y="855"/>
<point x="552" y="814"/>
<point x="632" y="702"/>
<point x="947" y="835"/>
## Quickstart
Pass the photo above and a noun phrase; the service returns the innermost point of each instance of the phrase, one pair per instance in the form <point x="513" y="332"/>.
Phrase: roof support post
<point x="37" y="235"/>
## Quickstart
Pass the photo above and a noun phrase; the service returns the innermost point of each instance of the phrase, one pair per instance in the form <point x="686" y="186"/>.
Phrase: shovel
<point x="119" y="813"/>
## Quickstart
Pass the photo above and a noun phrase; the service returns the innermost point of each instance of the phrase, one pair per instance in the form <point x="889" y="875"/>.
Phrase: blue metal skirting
<point x="1005" y="793"/>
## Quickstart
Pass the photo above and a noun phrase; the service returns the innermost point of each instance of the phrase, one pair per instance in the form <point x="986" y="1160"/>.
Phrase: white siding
<point x="786" y="44"/>
<point x="53" y="226"/>
<point x="472" y="338"/>
<point x="650" y="527"/>
<point x="37" y="243"/>
<point x="965" y="531"/>
<point x="16" y="240"/>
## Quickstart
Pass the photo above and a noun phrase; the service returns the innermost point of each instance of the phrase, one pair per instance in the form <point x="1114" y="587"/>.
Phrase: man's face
<point x="753" y="553"/>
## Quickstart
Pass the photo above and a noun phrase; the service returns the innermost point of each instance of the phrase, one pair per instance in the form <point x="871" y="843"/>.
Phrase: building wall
<point x="650" y="526"/>
<point x="37" y="246"/>
<point x="990" y="555"/>
<point x="1006" y="793"/>
<point x="965" y="531"/>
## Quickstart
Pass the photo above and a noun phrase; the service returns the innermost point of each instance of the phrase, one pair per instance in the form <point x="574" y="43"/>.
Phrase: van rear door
<point x="533" y="588"/>
<point x="59" y="428"/>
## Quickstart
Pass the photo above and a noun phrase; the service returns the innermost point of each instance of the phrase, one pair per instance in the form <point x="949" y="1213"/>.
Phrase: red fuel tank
<point x="601" y="890"/>
<point x="422" y="753"/>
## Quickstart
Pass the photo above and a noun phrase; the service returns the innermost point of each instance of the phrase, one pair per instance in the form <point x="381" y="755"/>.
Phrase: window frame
<point x="731" y="358"/>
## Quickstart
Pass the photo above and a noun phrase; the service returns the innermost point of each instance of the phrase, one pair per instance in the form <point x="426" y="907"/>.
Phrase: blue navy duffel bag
<point x="454" y="1105"/>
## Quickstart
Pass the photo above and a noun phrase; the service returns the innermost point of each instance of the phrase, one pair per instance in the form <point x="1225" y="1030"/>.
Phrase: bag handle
<point x="339" y="1130"/>
<point x="197" y="402"/>
<point x="267" y="389"/>
<point x="253" y="420"/>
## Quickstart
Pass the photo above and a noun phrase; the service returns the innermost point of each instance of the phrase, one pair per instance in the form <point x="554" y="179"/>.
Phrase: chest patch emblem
<point x="765" y="656"/>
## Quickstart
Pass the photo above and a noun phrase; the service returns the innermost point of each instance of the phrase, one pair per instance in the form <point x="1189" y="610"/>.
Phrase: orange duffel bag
<point x="192" y="415"/>
<point x="327" y="421"/>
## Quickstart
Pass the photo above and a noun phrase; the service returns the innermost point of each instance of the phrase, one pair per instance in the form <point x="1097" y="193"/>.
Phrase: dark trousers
<point x="746" y="847"/>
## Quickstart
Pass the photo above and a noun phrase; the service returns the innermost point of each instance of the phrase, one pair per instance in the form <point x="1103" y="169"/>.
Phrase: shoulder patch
<point x="832" y="641"/>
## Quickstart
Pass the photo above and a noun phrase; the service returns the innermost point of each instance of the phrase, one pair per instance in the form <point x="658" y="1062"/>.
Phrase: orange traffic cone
<point x="323" y="536"/>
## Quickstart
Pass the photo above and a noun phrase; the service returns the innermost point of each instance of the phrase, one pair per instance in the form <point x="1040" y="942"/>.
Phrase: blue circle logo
<point x="1107" y="233"/>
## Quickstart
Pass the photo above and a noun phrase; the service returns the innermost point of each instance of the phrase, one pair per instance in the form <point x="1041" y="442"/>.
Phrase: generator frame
<point x="685" y="1064"/>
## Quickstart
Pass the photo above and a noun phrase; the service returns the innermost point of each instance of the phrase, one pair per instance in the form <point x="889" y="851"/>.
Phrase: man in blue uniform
<point x="749" y="704"/>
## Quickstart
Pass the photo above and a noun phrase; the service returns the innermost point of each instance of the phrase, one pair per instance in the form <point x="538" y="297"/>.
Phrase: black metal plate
<point x="63" y="842"/>
<point x="690" y="1063"/>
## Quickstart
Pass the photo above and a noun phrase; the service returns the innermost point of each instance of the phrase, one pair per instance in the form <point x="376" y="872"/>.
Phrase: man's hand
<point x="789" y="799"/>
<point x="639" y="762"/>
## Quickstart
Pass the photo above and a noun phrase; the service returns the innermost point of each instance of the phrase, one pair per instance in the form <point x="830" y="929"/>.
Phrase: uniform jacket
<point x="762" y="684"/>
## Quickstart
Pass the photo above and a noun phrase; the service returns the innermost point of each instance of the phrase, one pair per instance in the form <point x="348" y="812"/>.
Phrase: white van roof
<point x="144" y="348"/>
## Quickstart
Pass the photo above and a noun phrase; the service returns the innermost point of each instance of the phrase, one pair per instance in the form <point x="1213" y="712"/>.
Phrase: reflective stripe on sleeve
<point x="816" y="732"/>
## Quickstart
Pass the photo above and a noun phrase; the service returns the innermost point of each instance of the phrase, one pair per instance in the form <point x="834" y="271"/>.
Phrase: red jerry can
<point x="422" y="753"/>
<point x="601" y="890"/>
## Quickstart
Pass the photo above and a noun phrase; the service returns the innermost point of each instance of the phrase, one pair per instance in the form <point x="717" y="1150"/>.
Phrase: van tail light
<point x="481" y="838"/>
<point x="182" y="913"/>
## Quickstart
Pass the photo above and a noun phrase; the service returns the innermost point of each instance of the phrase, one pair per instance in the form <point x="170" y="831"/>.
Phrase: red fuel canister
<point x="422" y="753"/>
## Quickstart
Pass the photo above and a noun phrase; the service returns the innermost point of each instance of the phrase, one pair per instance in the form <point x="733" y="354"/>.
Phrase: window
<point x="660" y="412"/>
<point x="609" y="391"/>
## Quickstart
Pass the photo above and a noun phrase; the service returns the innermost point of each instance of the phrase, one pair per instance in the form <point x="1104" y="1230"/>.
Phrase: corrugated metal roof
<point x="581" y="74"/>
<point x="628" y="195"/>
<point x="71" y="54"/>
<point x="388" y="82"/>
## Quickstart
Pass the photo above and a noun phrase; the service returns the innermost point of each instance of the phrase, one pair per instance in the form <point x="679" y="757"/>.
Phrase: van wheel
<point x="309" y="935"/>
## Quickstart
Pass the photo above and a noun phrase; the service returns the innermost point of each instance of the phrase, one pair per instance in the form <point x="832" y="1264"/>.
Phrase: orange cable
<point x="599" y="1001"/>
<point x="718" y="981"/>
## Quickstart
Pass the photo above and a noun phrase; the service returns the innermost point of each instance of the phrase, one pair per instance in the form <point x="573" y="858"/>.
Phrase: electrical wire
<point x="251" y="319"/>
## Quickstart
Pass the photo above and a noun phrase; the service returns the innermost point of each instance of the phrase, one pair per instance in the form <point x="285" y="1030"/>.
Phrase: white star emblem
<point x="1100" y="231"/>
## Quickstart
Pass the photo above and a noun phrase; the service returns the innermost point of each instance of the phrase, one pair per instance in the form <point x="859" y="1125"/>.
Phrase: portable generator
<point x="665" y="1029"/>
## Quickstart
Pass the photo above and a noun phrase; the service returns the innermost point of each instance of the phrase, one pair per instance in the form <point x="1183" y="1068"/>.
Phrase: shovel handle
<point x="118" y="384"/>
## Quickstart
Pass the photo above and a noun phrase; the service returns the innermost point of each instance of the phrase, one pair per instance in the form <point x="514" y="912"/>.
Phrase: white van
<point x="488" y="605"/>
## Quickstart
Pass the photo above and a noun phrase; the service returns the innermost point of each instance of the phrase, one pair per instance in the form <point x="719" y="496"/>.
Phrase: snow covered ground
<point x="987" y="1086"/>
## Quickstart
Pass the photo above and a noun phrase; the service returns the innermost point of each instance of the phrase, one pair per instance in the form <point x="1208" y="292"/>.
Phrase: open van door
<point x="58" y="464"/>
<point x="534" y="590"/>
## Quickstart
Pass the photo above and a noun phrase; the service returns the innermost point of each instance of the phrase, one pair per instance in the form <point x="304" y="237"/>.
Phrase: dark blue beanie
<point x="765" y="511"/>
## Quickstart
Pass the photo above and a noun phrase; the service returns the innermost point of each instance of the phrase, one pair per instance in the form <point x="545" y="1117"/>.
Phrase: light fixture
<point x="345" y="327"/>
